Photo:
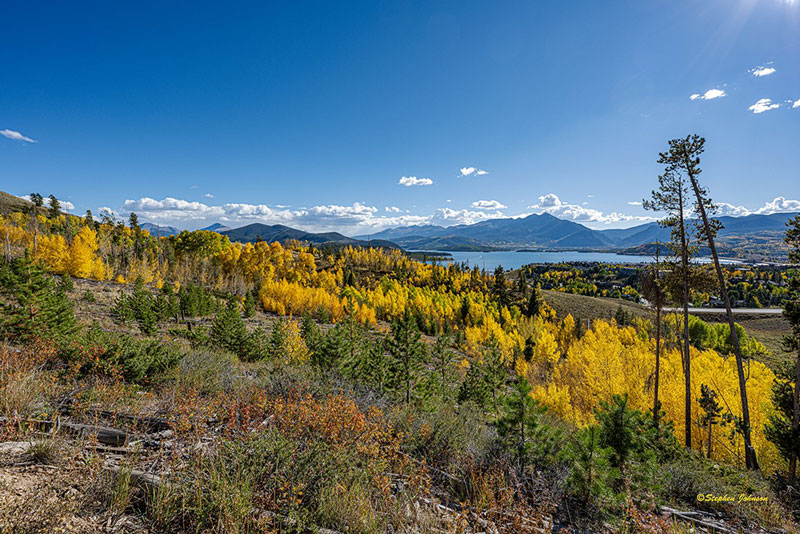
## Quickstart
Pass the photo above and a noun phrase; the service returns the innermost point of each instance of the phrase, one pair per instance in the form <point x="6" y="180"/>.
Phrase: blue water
<point x="513" y="260"/>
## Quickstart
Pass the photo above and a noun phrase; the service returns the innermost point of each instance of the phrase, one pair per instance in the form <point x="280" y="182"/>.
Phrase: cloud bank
<point x="552" y="204"/>
<point x="777" y="205"/>
<point x="360" y="218"/>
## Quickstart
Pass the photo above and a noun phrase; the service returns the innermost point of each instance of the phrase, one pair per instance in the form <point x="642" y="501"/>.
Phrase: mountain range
<point x="546" y="231"/>
<point x="279" y="232"/>
<point x="757" y="237"/>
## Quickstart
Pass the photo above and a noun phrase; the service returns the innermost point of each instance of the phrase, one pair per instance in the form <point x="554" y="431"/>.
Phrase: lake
<point x="510" y="259"/>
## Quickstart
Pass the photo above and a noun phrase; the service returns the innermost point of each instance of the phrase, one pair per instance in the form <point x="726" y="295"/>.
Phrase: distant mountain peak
<point x="159" y="231"/>
<point x="216" y="227"/>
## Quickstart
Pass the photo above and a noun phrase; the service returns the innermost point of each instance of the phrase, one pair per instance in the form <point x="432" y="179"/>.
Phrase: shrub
<point x="136" y="360"/>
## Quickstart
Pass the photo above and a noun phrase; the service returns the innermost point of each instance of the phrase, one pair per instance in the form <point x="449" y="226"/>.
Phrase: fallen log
<point x="688" y="517"/>
<point x="103" y="434"/>
<point x="146" y="423"/>
<point x="146" y="481"/>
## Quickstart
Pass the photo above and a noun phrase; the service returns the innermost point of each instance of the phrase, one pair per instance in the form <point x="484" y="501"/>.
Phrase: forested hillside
<point x="357" y="390"/>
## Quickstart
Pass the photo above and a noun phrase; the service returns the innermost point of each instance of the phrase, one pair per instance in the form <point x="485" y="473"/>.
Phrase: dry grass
<point x="583" y="307"/>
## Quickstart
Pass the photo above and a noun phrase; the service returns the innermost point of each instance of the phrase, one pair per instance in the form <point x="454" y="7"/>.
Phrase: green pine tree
<point x="31" y="303"/>
<point x="711" y="413"/>
<point x="591" y="475"/>
<point x="534" y="302"/>
<point x="249" y="305"/>
<point x="229" y="332"/>
<point x="521" y="428"/>
<point x="276" y="345"/>
<point x="408" y="354"/>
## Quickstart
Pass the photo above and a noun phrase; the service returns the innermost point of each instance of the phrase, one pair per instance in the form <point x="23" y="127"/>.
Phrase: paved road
<point x="756" y="311"/>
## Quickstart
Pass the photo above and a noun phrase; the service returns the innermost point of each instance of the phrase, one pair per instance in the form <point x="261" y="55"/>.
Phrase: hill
<point x="452" y="243"/>
<point x="10" y="203"/>
<point x="278" y="232"/>
<point x="583" y="307"/>
<point x="216" y="227"/>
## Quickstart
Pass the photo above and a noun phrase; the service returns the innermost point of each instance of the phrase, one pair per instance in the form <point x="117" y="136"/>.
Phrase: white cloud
<point x="469" y="171"/>
<point x="392" y="209"/>
<point x="550" y="200"/>
<point x="776" y="205"/>
<point x="764" y="104"/>
<point x="634" y="203"/>
<point x="488" y="205"/>
<point x="447" y="216"/>
<point x="408" y="181"/>
<point x="208" y="195"/>
<point x="762" y="71"/>
<point x="796" y="104"/>
<point x="711" y="94"/>
<point x="552" y="204"/>
<point x="355" y="218"/>
<point x="16" y="136"/>
<point x="66" y="205"/>
<point x="733" y="211"/>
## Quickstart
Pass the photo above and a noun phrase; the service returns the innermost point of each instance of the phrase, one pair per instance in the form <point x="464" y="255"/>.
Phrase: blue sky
<point x="358" y="116"/>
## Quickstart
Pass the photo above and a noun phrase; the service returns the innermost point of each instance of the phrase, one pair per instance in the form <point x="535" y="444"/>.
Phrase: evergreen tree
<point x="534" y="302"/>
<point x="485" y="379"/>
<point x="621" y="429"/>
<point x="781" y="429"/>
<point x="712" y="411"/>
<point x="622" y="317"/>
<point x="495" y="372"/>
<point x="442" y="359"/>
<point x="653" y="289"/>
<point x="684" y="154"/>
<point x="464" y="310"/>
<point x="67" y="285"/>
<point x="31" y="303"/>
<point x="311" y="333"/>
<point x="55" y="207"/>
<point x="229" y="332"/>
<point x="408" y="354"/>
<point x="474" y="387"/>
<point x="784" y="427"/>
<point x="140" y="306"/>
<point x="371" y="364"/>
<point x="249" y="305"/>
<point x="499" y="288"/>
<point x="37" y="200"/>
<point x="522" y="285"/>
<point x="521" y="428"/>
<point x="276" y="345"/>
<point x="591" y="475"/>
<point x="672" y="197"/>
